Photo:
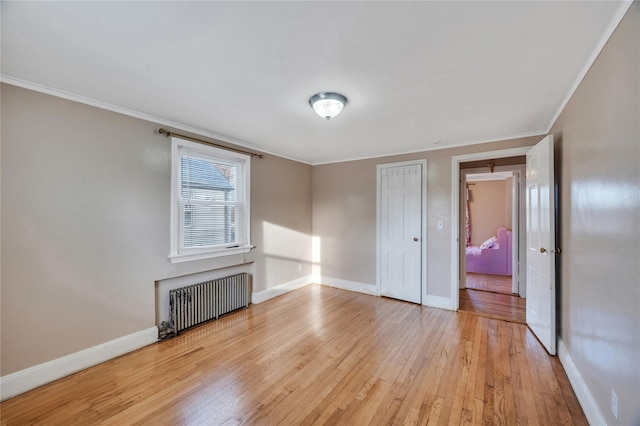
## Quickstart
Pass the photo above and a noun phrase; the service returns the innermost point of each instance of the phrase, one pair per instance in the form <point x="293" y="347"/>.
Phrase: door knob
<point x="556" y="251"/>
<point x="415" y="238"/>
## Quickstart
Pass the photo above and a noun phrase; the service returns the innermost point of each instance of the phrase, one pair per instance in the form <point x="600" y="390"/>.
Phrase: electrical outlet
<point x="614" y="403"/>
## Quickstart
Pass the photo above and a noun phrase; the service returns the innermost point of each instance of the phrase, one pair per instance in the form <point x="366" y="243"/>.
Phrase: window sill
<point x="187" y="257"/>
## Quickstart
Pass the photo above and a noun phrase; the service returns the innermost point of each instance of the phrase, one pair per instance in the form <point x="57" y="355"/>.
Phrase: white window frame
<point x="243" y="178"/>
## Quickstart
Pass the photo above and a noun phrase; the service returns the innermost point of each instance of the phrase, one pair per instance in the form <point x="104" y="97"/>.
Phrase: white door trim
<point x="455" y="208"/>
<point x="423" y="237"/>
<point x="519" y="282"/>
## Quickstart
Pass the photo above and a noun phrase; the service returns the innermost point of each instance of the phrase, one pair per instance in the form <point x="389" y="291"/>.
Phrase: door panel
<point x="540" y="237"/>
<point x="401" y="232"/>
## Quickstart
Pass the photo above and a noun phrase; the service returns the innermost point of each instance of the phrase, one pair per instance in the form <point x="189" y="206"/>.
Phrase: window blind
<point x="208" y="201"/>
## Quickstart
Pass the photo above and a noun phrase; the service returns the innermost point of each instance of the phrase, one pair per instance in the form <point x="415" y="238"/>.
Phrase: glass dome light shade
<point x="327" y="104"/>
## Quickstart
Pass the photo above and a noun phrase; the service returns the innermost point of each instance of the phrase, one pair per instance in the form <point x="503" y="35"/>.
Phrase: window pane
<point x="207" y="180"/>
<point x="208" y="225"/>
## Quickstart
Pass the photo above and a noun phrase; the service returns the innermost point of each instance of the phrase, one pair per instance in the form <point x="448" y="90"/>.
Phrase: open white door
<point x="540" y="237"/>
<point x="400" y="230"/>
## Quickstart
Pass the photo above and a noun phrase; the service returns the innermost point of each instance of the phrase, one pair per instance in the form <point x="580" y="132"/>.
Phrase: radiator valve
<point x="165" y="331"/>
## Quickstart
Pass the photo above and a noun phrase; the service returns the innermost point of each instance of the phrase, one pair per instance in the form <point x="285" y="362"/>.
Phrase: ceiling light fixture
<point x="327" y="104"/>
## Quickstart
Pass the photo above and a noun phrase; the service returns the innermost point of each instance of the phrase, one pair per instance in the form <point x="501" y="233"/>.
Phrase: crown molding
<point x="617" y="18"/>
<point x="440" y="147"/>
<point x="36" y="87"/>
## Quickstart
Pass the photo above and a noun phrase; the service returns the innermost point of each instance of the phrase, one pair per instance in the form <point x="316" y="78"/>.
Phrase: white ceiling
<point x="418" y="75"/>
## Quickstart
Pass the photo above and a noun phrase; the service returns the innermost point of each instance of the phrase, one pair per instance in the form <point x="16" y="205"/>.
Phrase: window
<point x="209" y="201"/>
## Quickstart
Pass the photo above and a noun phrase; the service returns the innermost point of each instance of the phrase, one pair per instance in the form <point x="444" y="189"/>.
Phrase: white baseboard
<point x="432" y="301"/>
<point x="438" y="302"/>
<point x="587" y="402"/>
<point x="30" y="378"/>
<point x="270" y="293"/>
<point x="349" y="285"/>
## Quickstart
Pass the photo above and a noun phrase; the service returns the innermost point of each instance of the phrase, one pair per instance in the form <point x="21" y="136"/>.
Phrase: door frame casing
<point x="423" y="224"/>
<point x="455" y="209"/>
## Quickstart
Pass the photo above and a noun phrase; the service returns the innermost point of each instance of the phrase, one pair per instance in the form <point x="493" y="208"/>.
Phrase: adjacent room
<point x="352" y="213"/>
<point x="493" y="227"/>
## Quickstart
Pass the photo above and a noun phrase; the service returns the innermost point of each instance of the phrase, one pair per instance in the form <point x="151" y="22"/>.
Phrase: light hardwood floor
<point x="504" y="307"/>
<point x="490" y="296"/>
<point x="319" y="355"/>
<point x="486" y="282"/>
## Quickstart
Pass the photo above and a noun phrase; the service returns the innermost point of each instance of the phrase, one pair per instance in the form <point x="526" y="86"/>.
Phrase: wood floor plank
<point x="486" y="282"/>
<point x="319" y="355"/>
<point x="493" y="305"/>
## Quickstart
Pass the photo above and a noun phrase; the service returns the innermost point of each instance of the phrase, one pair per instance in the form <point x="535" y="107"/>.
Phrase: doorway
<point x="538" y="239"/>
<point x="490" y="218"/>
<point x="493" y="293"/>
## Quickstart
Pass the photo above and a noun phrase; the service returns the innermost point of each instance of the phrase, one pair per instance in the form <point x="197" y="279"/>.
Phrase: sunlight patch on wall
<point x="282" y="242"/>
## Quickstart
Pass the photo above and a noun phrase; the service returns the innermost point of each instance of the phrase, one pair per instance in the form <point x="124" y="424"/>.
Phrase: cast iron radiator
<point x="197" y="303"/>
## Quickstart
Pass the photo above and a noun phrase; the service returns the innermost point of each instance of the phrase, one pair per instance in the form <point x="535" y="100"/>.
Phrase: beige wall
<point x="487" y="209"/>
<point x="85" y="226"/>
<point x="344" y="214"/>
<point x="281" y="220"/>
<point x="85" y="202"/>
<point x="598" y="166"/>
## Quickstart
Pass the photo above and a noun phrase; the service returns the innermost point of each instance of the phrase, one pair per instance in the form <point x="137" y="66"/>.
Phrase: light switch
<point x="440" y="224"/>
